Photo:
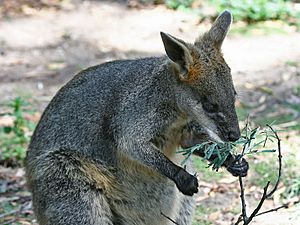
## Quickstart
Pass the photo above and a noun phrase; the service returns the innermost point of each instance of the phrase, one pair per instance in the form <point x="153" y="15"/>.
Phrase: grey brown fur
<point x="104" y="151"/>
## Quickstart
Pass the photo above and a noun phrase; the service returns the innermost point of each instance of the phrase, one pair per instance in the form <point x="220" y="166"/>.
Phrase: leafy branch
<point x="252" y="141"/>
<point x="244" y="217"/>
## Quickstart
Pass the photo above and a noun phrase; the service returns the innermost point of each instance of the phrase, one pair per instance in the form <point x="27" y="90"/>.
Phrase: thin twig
<point x="243" y="217"/>
<point x="244" y="208"/>
<point x="279" y="162"/>
<point x="242" y="195"/>
<point x="169" y="218"/>
<point x="261" y="202"/>
<point x="266" y="139"/>
<point x="286" y="206"/>
<point x="240" y="219"/>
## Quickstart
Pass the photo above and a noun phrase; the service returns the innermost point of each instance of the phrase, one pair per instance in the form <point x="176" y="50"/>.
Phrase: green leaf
<point x="210" y="150"/>
<point x="7" y="130"/>
<point x="186" y="159"/>
<point x="182" y="150"/>
<point x="257" y="144"/>
<point x="253" y="133"/>
<point x="267" y="150"/>
<point x="256" y="151"/>
<point x="240" y="141"/>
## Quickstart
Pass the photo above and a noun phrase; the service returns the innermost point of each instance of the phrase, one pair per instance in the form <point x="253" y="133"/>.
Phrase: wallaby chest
<point x="144" y="194"/>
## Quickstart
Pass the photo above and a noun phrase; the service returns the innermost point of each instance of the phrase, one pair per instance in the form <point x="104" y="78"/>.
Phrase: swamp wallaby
<point x="104" y="151"/>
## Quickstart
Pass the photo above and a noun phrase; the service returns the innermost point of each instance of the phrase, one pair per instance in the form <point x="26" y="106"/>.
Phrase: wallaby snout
<point x="233" y="135"/>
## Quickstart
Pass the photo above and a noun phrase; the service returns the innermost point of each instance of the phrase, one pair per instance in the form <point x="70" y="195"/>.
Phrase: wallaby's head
<point x="204" y="90"/>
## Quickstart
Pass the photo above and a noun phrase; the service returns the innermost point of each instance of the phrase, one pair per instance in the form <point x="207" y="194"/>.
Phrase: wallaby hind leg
<point x="61" y="195"/>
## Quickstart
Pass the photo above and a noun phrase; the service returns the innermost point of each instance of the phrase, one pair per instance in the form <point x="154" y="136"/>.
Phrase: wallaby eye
<point x="208" y="106"/>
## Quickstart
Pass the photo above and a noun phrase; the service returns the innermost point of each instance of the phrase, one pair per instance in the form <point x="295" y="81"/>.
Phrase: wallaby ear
<point x="220" y="28"/>
<point x="178" y="53"/>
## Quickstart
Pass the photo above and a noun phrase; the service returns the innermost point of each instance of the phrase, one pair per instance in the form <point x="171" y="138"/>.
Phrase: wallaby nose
<point x="233" y="135"/>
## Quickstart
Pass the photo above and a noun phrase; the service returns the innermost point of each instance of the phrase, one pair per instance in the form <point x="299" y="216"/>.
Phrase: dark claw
<point x="186" y="183"/>
<point x="238" y="168"/>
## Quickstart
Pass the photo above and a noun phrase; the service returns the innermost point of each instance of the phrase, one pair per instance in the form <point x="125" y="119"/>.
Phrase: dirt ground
<point x="42" y="50"/>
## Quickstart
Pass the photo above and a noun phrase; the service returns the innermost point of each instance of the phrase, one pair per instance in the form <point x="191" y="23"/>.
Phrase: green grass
<point x="236" y="210"/>
<point x="257" y="29"/>
<point x="15" y="138"/>
<point x="201" y="215"/>
<point x="7" y="207"/>
<point x="207" y="174"/>
<point x="297" y="90"/>
<point x="291" y="178"/>
<point x="179" y="4"/>
<point x="279" y="119"/>
<point x="290" y="116"/>
<point x="284" y="118"/>
<point x="287" y="120"/>
<point x="265" y="170"/>
<point x="291" y="63"/>
<point x="242" y="112"/>
<point x="257" y="10"/>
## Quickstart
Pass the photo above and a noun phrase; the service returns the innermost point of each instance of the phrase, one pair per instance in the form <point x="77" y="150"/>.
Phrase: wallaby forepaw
<point x="238" y="168"/>
<point x="186" y="183"/>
